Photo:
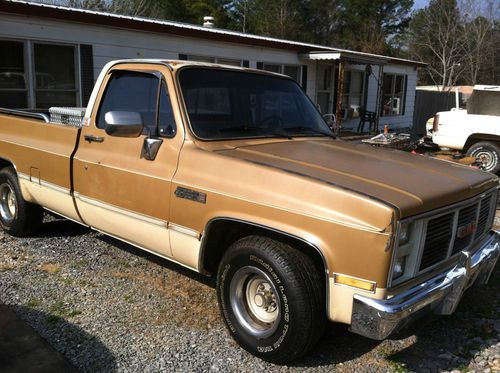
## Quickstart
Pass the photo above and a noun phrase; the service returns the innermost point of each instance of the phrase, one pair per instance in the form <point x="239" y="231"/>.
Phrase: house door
<point x="325" y="79"/>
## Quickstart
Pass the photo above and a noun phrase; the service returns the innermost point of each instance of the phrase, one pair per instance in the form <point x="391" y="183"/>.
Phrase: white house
<point x="51" y="55"/>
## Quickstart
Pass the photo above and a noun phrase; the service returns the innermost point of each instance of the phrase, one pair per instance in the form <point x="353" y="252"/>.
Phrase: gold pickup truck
<point x="233" y="173"/>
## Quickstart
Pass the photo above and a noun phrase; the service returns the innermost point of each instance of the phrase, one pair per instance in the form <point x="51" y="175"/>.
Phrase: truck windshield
<point x="225" y="104"/>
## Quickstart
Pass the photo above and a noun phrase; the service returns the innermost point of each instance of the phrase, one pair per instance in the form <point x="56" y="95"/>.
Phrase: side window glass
<point x="166" y="115"/>
<point x="131" y="91"/>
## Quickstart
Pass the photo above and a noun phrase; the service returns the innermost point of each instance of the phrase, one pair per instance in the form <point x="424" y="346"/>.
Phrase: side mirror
<point x="123" y="123"/>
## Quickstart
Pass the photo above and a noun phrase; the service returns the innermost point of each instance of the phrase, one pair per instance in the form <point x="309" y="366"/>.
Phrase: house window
<point x="13" y="82"/>
<point x="201" y="58"/>
<point x="352" y="94"/>
<point x="37" y="75"/>
<point x="55" y="80"/>
<point x="293" y="71"/>
<point x="219" y="60"/>
<point x="393" y="95"/>
<point x="272" y="68"/>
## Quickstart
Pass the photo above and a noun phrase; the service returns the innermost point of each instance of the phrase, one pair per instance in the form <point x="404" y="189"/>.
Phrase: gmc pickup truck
<point x="233" y="172"/>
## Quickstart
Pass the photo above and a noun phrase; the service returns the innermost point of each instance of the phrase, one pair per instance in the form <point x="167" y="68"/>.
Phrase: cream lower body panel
<point x="50" y="196"/>
<point x="341" y="299"/>
<point x="150" y="234"/>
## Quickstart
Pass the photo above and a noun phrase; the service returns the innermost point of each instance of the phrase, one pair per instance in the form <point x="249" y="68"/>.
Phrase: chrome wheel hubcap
<point x="255" y="301"/>
<point x="486" y="158"/>
<point x="8" y="203"/>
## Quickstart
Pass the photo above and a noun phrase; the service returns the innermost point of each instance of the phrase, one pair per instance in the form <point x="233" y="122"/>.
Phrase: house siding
<point x="110" y="43"/>
<point x="113" y="43"/>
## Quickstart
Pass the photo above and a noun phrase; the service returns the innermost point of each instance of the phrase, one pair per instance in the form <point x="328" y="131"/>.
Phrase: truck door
<point x="119" y="189"/>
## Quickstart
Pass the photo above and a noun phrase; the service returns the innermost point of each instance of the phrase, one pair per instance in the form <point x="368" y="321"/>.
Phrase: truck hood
<point x="410" y="183"/>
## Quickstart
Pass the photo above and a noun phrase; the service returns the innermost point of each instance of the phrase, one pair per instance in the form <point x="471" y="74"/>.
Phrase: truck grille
<point x="456" y="230"/>
<point x="439" y="232"/>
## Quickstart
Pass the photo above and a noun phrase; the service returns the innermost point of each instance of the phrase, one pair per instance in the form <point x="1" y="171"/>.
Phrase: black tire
<point x="289" y="281"/>
<point x="17" y="217"/>
<point x="488" y="154"/>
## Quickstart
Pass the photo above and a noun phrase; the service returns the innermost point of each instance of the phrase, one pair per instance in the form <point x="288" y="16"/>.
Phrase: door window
<point x="166" y="122"/>
<point x="131" y="91"/>
<point x="138" y="92"/>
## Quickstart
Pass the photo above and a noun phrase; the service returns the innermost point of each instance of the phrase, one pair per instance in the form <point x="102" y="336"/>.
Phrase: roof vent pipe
<point x="208" y="21"/>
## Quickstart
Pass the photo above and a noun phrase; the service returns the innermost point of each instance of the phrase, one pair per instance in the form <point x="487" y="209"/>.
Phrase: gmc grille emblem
<point x="466" y="230"/>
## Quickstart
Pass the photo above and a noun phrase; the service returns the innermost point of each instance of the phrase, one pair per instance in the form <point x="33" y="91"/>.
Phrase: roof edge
<point x="175" y="28"/>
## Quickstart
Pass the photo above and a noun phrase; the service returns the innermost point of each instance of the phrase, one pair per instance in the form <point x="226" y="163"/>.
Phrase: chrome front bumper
<point x="377" y="319"/>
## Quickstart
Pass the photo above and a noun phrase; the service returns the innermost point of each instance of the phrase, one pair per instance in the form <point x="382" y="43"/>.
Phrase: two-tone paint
<point x="341" y="201"/>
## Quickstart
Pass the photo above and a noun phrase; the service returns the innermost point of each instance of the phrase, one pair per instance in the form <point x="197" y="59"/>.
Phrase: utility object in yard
<point x="233" y="173"/>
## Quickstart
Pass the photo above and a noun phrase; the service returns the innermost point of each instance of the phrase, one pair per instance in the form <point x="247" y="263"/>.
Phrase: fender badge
<point x="191" y="195"/>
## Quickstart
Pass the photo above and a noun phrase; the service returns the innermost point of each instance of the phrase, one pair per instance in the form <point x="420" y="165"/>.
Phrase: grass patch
<point x="33" y="303"/>
<point x="59" y="310"/>
<point x="123" y="263"/>
<point x="396" y="367"/>
<point x="80" y="264"/>
<point x="50" y="267"/>
<point x="53" y="319"/>
<point x="484" y="331"/>
<point x="78" y="282"/>
<point x="4" y="267"/>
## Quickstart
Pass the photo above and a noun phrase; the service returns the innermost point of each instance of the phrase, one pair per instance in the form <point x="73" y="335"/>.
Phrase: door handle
<point x="92" y="138"/>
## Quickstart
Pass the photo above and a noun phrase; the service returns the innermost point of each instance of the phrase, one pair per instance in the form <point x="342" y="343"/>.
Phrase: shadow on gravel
<point x="24" y="350"/>
<point x="338" y="345"/>
<point x="450" y="342"/>
<point x="55" y="226"/>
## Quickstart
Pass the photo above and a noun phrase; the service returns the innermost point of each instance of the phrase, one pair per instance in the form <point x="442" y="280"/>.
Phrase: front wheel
<point x="271" y="298"/>
<point x="488" y="154"/>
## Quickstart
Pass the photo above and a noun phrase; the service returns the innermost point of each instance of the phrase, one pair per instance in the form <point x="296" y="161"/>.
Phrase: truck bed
<point x="41" y="153"/>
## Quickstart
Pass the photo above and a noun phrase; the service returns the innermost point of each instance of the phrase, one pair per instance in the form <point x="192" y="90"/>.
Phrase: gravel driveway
<point x="109" y="307"/>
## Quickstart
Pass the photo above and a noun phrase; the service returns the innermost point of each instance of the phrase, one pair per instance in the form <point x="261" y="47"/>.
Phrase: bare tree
<point x="478" y="37"/>
<point x="436" y="38"/>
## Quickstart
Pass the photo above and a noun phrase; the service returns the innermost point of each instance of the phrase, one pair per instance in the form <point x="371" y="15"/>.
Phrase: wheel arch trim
<point x="316" y="248"/>
<point x="6" y="160"/>
<point x="476" y="137"/>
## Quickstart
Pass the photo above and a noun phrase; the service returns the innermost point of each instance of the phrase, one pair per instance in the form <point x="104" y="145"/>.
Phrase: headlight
<point x="399" y="267"/>
<point x="404" y="233"/>
<point x="406" y="254"/>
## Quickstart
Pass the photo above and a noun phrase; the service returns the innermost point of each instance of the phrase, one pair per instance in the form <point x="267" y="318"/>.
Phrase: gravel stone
<point x="109" y="307"/>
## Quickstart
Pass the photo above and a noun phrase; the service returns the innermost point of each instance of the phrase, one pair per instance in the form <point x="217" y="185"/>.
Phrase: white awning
<point x="351" y="57"/>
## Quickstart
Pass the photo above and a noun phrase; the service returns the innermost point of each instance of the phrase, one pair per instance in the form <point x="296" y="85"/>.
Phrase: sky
<point x="418" y="4"/>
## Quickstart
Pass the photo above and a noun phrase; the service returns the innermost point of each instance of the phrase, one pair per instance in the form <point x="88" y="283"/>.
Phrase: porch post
<point x="340" y="91"/>
<point x="379" y="93"/>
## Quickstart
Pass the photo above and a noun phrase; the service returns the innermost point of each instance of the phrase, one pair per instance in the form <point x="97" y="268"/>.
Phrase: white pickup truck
<point x="475" y="131"/>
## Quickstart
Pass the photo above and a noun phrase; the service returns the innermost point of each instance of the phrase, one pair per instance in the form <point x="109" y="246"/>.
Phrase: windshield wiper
<point x="310" y="129"/>
<point x="262" y="131"/>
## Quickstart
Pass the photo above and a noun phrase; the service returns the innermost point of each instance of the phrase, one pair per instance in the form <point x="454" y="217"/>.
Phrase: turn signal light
<point x="354" y="282"/>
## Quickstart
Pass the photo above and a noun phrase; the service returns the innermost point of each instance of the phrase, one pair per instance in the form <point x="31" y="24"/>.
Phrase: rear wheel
<point x="17" y="217"/>
<point x="488" y="154"/>
<point x="271" y="298"/>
